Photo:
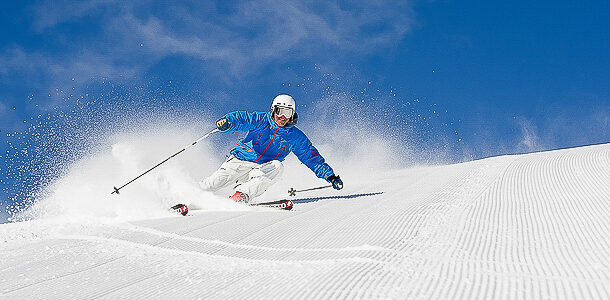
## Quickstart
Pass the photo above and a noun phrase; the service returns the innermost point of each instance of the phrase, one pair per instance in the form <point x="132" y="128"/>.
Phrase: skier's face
<point x="280" y="120"/>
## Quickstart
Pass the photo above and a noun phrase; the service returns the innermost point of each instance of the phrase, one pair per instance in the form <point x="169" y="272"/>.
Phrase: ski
<point x="281" y="204"/>
<point x="180" y="208"/>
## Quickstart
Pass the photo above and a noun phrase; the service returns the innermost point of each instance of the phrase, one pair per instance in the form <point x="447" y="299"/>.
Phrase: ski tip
<point x="181" y="209"/>
<point x="288" y="205"/>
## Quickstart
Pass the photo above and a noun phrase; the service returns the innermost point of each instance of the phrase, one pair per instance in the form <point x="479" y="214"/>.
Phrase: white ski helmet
<point x="284" y="101"/>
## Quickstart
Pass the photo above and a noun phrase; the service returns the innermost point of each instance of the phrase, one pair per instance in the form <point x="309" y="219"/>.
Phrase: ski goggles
<point x="283" y="111"/>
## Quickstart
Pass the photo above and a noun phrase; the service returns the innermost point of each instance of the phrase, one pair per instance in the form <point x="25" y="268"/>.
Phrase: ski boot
<point x="240" y="197"/>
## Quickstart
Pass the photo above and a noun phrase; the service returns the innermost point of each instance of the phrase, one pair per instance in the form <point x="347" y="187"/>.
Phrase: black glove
<point x="336" y="181"/>
<point x="223" y="124"/>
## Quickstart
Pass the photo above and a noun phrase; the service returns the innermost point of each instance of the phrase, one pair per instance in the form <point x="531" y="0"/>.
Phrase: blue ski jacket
<point x="266" y="141"/>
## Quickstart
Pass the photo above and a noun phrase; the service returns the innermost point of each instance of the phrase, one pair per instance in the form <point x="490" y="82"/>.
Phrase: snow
<point x="531" y="226"/>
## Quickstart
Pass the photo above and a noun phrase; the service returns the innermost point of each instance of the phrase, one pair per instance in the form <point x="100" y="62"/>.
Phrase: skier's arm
<point x="240" y="121"/>
<point x="310" y="156"/>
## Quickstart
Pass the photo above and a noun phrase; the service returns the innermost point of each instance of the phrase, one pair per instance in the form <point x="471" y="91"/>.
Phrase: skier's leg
<point x="261" y="178"/>
<point x="228" y="173"/>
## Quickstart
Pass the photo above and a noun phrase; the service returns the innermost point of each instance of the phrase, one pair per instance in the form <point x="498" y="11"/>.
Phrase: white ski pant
<point x="247" y="177"/>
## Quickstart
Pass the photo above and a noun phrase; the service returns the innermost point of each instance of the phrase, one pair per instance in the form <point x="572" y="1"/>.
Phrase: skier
<point x="255" y="163"/>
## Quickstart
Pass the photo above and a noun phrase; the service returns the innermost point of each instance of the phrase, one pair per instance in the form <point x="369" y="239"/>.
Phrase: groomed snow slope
<point x="534" y="226"/>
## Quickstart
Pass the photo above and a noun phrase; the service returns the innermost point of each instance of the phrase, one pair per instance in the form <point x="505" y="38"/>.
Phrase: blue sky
<point x="475" y="78"/>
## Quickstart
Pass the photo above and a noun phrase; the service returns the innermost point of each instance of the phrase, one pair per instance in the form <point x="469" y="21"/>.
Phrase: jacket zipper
<point x="268" y="144"/>
<point x="278" y="154"/>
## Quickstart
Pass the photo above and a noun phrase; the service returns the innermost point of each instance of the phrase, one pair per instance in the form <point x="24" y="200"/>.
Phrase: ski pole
<point x="116" y="190"/>
<point x="292" y="192"/>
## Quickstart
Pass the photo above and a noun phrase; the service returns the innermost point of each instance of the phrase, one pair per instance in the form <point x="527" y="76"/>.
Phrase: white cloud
<point x="135" y="35"/>
<point x="50" y="13"/>
<point x="42" y="70"/>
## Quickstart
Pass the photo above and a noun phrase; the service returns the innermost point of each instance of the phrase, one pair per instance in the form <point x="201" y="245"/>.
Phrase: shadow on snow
<point x="314" y="199"/>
